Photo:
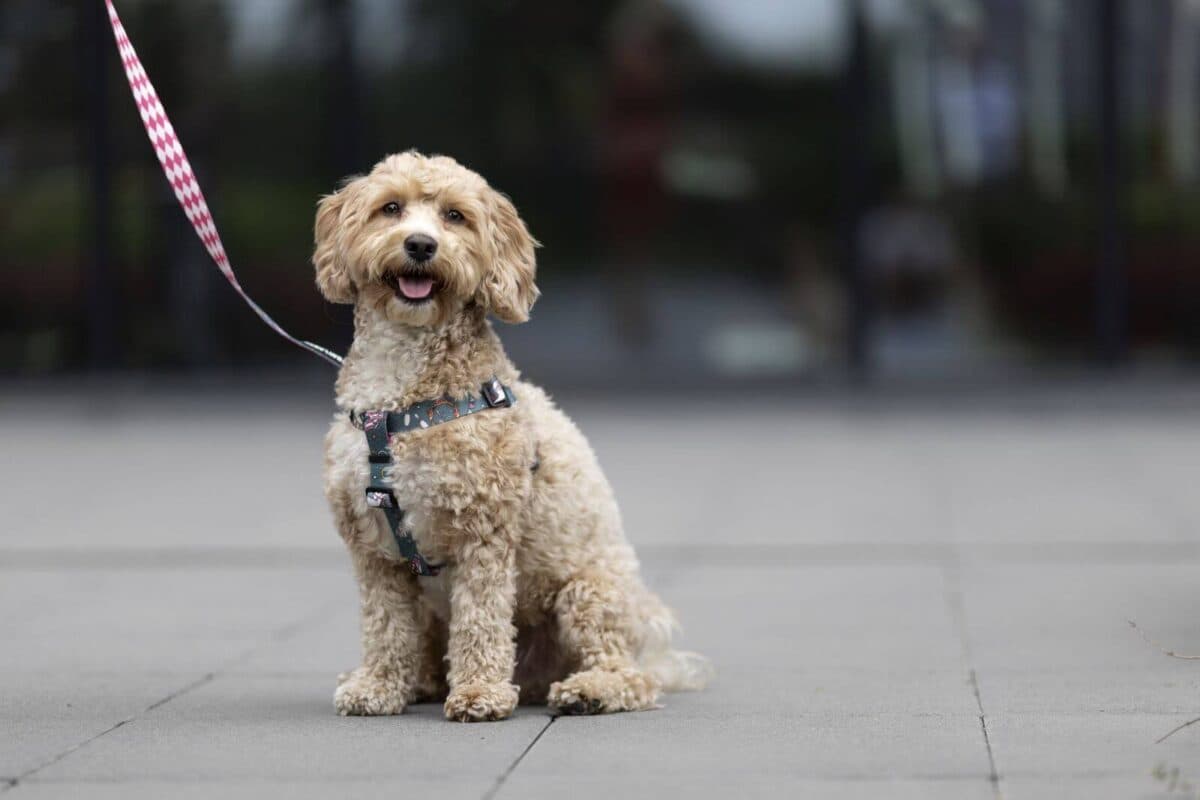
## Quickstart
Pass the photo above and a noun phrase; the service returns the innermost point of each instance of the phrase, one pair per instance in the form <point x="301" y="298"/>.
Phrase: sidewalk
<point x="909" y="603"/>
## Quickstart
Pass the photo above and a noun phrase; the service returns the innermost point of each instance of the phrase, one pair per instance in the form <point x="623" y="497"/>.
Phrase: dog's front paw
<point x="599" y="691"/>
<point x="481" y="702"/>
<point x="363" y="693"/>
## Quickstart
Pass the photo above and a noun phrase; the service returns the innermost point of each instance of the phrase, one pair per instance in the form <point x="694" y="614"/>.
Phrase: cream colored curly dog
<point x="540" y="596"/>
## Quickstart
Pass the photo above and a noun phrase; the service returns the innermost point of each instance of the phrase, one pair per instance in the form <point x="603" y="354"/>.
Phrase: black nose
<point x="420" y="247"/>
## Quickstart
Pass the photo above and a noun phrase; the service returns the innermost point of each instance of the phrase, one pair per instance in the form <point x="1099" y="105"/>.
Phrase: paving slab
<point x="245" y="727"/>
<point x="1143" y="787"/>
<point x="365" y="787"/>
<point x="1160" y="459"/>
<point x="855" y="480"/>
<point x="700" y="737"/>
<point x="46" y="715"/>
<point x="844" y="690"/>
<point x="1044" y="479"/>
<point x="139" y="620"/>
<point x="829" y="615"/>
<point x="248" y="478"/>
<point x="1033" y="745"/>
<point x="328" y="646"/>
<point x="1170" y="688"/>
<point x="1062" y="617"/>
<point x="646" y="784"/>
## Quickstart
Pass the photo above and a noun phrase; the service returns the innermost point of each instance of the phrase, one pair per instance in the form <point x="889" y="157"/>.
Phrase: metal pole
<point x="100" y="289"/>
<point x="344" y="131"/>
<point x="343" y="97"/>
<point x="1111" y="286"/>
<point x="856" y="109"/>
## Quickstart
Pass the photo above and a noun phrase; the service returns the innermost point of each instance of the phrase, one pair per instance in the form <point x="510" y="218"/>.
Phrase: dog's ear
<point x="333" y="274"/>
<point x="508" y="289"/>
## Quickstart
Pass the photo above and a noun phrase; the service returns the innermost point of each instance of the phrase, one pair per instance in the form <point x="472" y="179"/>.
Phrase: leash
<point x="179" y="173"/>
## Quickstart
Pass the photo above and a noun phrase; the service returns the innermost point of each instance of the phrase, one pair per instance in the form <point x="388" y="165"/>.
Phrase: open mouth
<point x="413" y="286"/>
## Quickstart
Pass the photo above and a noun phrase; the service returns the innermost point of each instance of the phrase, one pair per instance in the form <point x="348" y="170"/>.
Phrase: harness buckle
<point x="381" y="497"/>
<point x="494" y="394"/>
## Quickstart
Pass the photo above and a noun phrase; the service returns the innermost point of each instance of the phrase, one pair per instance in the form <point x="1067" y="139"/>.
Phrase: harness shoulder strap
<point x="381" y="496"/>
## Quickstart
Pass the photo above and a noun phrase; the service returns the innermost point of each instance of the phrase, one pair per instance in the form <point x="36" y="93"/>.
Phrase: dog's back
<point x="573" y="526"/>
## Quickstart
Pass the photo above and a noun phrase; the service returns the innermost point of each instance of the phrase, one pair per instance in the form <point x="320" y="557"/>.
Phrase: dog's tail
<point x="675" y="670"/>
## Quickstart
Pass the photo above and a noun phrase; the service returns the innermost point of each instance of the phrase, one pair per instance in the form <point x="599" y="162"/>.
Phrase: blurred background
<point x="761" y="189"/>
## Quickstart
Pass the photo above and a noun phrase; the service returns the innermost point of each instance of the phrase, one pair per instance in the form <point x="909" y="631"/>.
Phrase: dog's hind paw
<point x="601" y="691"/>
<point x="362" y="693"/>
<point x="481" y="702"/>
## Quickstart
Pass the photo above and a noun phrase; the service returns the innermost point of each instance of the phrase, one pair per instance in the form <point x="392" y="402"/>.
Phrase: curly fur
<point x="541" y="599"/>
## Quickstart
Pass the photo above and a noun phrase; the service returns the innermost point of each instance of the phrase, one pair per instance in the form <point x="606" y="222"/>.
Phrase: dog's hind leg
<point x="599" y="633"/>
<point x="392" y="640"/>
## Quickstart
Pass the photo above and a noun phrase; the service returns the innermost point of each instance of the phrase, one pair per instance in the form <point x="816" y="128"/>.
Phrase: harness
<point x="379" y="427"/>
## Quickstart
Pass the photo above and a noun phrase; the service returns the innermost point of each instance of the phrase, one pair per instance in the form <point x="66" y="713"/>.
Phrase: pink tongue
<point x="416" y="288"/>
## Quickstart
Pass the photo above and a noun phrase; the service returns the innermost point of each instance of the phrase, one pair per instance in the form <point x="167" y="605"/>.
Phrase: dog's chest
<point x="435" y="592"/>
<point x="422" y="464"/>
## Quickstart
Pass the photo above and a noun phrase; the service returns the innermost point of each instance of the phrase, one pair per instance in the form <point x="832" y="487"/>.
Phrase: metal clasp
<point x="381" y="497"/>
<point x="494" y="394"/>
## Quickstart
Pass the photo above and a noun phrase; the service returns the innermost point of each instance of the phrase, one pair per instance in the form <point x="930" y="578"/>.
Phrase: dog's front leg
<point x="482" y="644"/>
<point x="391" y="640"/>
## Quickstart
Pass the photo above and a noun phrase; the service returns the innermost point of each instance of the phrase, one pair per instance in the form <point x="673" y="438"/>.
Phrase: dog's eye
<point x="455" y="216"/>
<point x="391" y="209"/>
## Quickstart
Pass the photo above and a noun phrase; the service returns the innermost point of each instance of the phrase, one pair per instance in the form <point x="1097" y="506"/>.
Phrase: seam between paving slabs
<point x="499" y="784"/>
<point x="952" y="579"/>
<point x="281" y="634"/>
<point x="79" y="746"/>
<point x="691" y="555"/>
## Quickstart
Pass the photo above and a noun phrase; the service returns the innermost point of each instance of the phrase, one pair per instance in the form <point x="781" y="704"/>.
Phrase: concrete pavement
<point x="901" y="602"/>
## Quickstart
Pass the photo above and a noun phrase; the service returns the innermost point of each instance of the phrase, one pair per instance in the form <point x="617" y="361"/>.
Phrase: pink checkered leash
<point x="179" y="173"/>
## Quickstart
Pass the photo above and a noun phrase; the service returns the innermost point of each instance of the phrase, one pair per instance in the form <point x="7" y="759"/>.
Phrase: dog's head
<point x="420" y="238"/>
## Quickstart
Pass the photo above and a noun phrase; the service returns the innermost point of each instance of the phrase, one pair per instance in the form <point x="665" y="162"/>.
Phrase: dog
<point x="539" y="597"/>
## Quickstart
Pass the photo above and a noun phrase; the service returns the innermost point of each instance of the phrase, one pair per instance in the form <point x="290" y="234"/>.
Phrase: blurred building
<point x="750" y="189"/>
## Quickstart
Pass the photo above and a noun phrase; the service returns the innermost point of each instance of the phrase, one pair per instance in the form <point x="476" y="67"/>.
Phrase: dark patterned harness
<point x="379" y="426"/>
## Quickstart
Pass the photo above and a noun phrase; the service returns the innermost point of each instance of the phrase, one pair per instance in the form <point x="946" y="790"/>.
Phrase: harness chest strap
<point x="379" y="427"/>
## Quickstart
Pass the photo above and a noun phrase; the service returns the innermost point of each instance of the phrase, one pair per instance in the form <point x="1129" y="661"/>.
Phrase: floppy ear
<point x="508" y="288"/>
<point x="333" y="276"/>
